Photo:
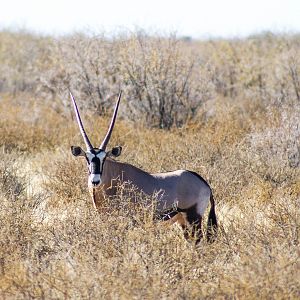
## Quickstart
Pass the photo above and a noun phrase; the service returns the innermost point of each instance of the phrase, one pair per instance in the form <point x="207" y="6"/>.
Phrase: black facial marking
<point x="95" y="165"/>
<point x="94" y="151"/>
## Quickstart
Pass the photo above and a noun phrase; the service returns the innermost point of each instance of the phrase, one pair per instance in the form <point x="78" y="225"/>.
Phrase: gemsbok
<point x="184" y="193"/>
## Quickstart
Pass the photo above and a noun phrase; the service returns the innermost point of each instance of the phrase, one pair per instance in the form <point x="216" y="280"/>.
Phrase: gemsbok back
<point x="187" y="191"/>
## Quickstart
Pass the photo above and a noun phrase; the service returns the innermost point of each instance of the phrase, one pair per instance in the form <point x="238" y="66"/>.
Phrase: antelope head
<point x="95" y="157"/>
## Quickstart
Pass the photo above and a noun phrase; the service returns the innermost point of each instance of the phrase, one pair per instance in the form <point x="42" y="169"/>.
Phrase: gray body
<point x="179" y="188"/>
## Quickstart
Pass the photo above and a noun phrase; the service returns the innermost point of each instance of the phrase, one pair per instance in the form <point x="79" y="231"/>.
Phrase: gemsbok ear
<point x="116" y="151"/>
<point x="77" y="151"/>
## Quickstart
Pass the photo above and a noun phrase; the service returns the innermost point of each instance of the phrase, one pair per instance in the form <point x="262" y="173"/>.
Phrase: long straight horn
<point x="82" y="131"/>
<point x="111" y="126"/>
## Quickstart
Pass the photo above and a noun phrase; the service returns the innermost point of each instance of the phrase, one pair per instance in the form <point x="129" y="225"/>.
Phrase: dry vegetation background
<point x="227" y="109"/>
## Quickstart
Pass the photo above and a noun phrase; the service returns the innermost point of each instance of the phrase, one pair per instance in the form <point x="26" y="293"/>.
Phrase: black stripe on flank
<point x="166" y="214"/>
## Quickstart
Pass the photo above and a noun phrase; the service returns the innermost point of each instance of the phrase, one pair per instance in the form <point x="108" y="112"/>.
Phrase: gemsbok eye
<point x="184" y="193"/>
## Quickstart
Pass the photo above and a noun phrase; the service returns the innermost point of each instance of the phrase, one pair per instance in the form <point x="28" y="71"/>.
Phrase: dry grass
<point x="53" y="245"/>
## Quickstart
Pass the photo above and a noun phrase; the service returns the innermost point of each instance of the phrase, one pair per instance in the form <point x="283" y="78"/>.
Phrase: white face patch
<point x="101" y="155"/>
<point x="89" y="156"/>
<point x="94" y="179"/>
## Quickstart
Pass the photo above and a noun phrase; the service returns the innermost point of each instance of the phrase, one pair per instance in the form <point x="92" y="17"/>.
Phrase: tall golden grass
<point x="243" y="140"/>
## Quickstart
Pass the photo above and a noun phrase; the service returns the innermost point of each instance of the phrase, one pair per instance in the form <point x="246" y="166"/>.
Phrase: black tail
<point x="212" y="224"/>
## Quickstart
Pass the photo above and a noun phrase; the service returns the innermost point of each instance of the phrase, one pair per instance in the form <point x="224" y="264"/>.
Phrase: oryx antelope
<point x="185" y="190"/>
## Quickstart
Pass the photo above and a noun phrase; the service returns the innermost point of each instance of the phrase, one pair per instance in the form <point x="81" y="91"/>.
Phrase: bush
<point x="166" y="80"/>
